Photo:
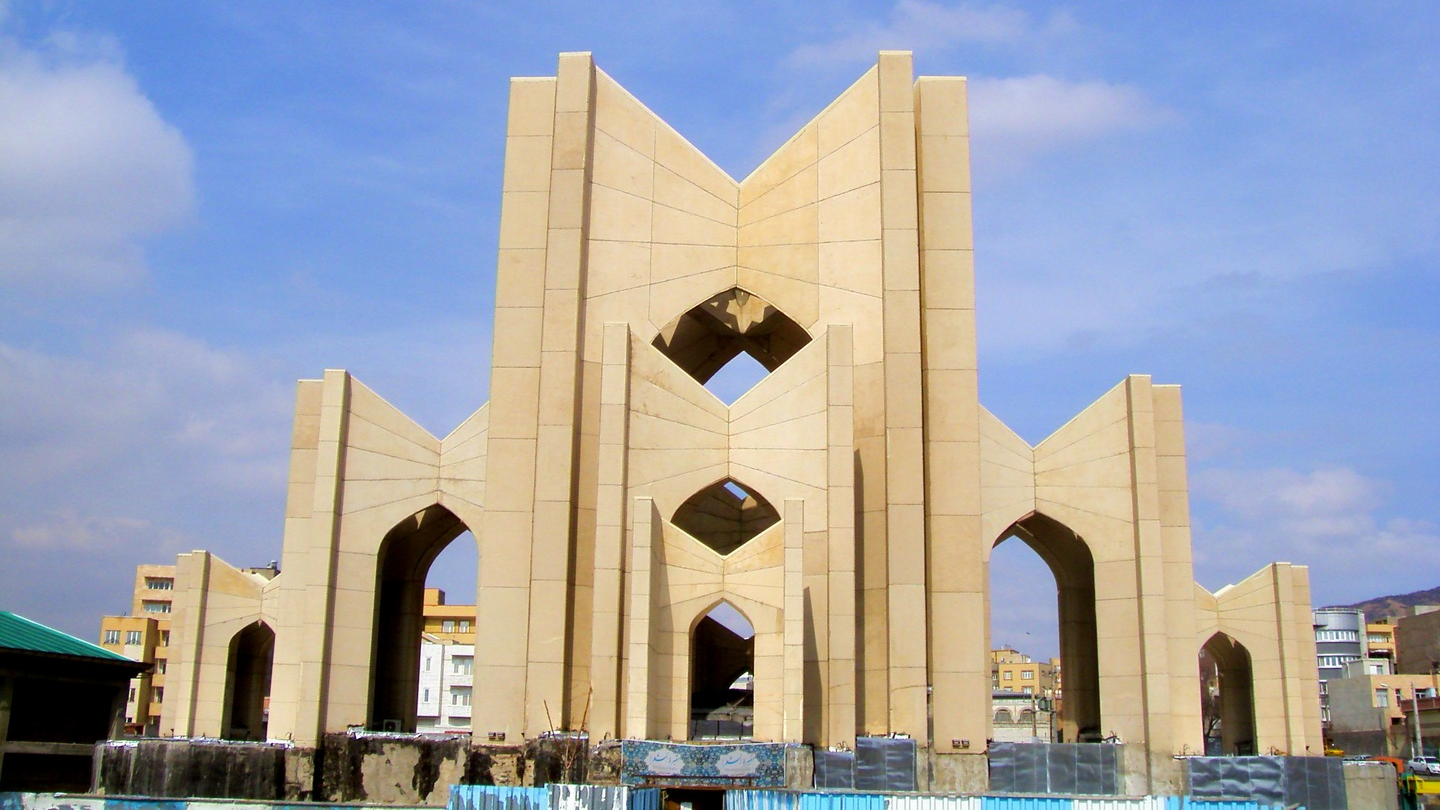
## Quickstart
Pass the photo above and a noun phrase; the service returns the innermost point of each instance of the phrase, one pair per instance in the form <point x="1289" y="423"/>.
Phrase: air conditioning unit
<point x="390" y="725"/>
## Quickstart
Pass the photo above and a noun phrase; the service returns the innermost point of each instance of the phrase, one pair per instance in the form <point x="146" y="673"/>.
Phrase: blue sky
<point x="202" y="203"/>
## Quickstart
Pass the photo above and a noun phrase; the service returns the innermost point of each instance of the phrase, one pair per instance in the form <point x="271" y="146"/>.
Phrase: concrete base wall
<point x="381" y="769"/>
<point x="1371" y="785"/>
<point x="959" y="773"/>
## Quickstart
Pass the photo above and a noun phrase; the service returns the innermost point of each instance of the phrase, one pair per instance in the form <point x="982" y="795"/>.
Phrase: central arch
<point x="402" y="562"/>
<point x="1227" y="704"/>
<point x="722" y="682"/>
<point x="1069" y="559"/>
<point x="247" y="682"/>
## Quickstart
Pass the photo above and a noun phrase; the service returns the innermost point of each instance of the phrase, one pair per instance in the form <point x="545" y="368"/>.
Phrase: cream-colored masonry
<point x="870" y="596"/>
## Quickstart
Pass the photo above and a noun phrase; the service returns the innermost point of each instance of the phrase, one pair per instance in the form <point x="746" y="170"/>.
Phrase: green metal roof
<point x="20" y="633"/>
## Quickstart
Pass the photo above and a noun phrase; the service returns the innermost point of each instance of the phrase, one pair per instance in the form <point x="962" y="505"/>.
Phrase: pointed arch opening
<point x="247" y="683"/>
<point x="404" y="560"/>
<point x="1227" y="697"/>
<point x="725" y="515"/>
<point x="1069" y="685"/>
<point x="722" y="680"/>
<point x="737" y="331"/>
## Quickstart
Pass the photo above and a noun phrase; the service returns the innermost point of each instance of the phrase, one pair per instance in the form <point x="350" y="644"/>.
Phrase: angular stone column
<point x="639" y="646"/>
<point x="610" y="558"/>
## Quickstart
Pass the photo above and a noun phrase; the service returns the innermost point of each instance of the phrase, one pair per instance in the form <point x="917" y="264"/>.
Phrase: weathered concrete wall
<point x="1371" y="785"/>
<point x="386" y="769"/>
<point x="408" y="770"/>
<point x="959" y="773"/>
<point x="191" y="768"/>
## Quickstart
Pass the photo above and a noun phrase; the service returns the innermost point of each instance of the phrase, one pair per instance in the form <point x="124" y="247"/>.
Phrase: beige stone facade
<point x="846" y="505"/>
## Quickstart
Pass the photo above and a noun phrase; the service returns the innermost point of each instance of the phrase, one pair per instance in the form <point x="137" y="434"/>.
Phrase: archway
<point x="735" y="327"/>
<point x="1227" y="697"/>
<point x="722" y="683"/>
<point x="1076" y="694"/>
<point x="402" y="563"/>
<point x="247" y="683"/>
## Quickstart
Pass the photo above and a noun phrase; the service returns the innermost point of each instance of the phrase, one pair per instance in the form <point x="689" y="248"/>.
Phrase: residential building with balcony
<point x="1339" y="640"/>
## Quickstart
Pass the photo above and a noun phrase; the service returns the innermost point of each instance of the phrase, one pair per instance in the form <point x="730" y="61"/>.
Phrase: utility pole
<point x="1415" y="705"/>
<point x="1034" y="715"/>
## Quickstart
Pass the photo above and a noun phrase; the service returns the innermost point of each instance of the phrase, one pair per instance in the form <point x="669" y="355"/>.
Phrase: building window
<point x="1006" y="675"/>
<point x="164" y="638"/>
<point x="160" y="667"/>
<point x="132" y="694"/>
<point x="132" y="636"/>
<point x="157" y="695"/>
<point x="1382" y="698"/>
<point x="156" y="607"/>
<point x="160" y="583"/>
<point x="426" y="698"/>
<point x="1027" y="690"/>
<point x="112" y="637"/>
<point x="460" y="666"/>
<point x="1027" y="675"/>
<point x="464" y="625"/>
<point x="427" y="664"/>
<point x="447" y="626"/>
<point x="1337" y="635"/>
<point x="460" y="697"/>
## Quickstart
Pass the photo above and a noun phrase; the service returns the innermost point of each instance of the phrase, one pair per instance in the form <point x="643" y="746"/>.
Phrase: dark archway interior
<point x="719" y="706"/>
<point x="1228" y="706"/>
<point x="711" y="334"/>
<point x="725" y="516"/>
<point x="247" y="682"/>
<point x="405" y="558"/>
<point x="1070" y="561"/>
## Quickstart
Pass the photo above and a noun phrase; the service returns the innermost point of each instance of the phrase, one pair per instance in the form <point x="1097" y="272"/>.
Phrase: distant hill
<point x="1397" y="606"/>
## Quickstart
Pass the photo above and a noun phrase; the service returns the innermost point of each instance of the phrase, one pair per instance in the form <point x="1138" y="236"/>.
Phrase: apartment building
<point x="448" y="623"/>
<point x="144" y="636"/>
<point x="1339" y="640"/>
<point x="1380" y="639"/>
<point x="446" y="685"/>
<point x="1014" y="671"/>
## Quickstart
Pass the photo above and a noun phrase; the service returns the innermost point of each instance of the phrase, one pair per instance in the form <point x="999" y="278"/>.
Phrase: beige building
<point x="1380" y="640"/>
<point x="1373" y="713"/>
<point x="1417" y="641"/>
<point x="445" y="623"/>
<point x="842" y="510"/>
<point x="1013" y="671"/>
<point x="144" y="636"/>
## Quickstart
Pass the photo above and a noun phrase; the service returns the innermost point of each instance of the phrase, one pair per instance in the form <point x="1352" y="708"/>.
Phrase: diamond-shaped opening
<point x="725" y="516"/>
<point x="735" y="323"/>
<point x="738" y="376"/>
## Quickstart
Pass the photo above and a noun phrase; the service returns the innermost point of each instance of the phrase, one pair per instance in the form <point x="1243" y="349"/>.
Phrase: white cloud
<point x="65" y="529"/>
<point x="932" y="28"/>
<point x="88" y="168"/>
<point x="151" y="399"/>
<point x="152" y="444"/>
<point x="1014" y="119"/>
<point x="1331" y="519"/>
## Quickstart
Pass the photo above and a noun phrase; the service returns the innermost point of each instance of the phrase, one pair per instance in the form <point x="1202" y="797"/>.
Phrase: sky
<point x="202" y="203"/>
